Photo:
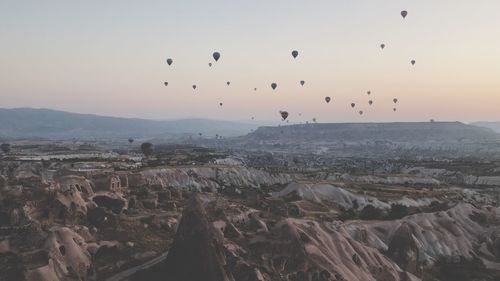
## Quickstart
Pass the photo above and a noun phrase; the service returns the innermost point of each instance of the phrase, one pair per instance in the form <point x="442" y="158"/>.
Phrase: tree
<point x="5" y="147"/>
<point x="370" y="212"/>
<point x="147" y="149"/>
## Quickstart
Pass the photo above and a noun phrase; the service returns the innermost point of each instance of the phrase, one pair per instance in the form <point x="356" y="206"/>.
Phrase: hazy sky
<point x="108" y="57"/>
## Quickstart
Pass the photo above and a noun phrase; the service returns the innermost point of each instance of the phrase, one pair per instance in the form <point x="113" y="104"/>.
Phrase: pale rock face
<point x="305" y="247"/>
<point x="333" y="194"/>
<point x="207" y="178"/>
<point x="446" y="234"/>
<point x="68" y="256"/>
<point x="482" y="180"/>
<point x="401" y="180"/>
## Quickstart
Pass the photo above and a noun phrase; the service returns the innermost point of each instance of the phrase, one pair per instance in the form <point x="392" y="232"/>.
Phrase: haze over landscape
<point x="250" y="141"/>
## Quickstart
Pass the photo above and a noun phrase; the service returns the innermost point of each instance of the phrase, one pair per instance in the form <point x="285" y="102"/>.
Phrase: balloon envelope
<point x="413" y="62"/>
<point x="228" y="83"/>
<point x="274" y="85"/>
<point x="327" y="99"/>
<point x="302" y="82"/>
<point x="194" y="87"/>
<point x="382" y="46"/>
<point x="395" y="100"/>
<point x="216" y="56"/>
<point x="370" y="102"/>
<point x="170" y="61"/>
<point x="353" y="105"/>
<point x="284" y="114"/>
<point x="404" y="14"/>
<point x="295" y="53"/>
<point x="166" y="83"/>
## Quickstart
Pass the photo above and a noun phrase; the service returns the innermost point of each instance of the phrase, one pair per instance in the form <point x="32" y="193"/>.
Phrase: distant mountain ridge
<point x="53" y="124"/>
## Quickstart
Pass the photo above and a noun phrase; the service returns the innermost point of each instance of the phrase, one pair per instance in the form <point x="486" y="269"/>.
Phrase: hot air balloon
<point x="228" y="83"/>
<point x="353" y="105"/>
<point x="314" y="119"/>
<point x="210" y="64"/>
<point x="253" y="118"/>
<point x="395" y="100"/>
<point x="255" y="89"/>
<point x="220" y="103"/>
<point x="216" y="56"/>
<point x="394" y="109"/>
<point x="274" y="85"/>
<point x="170" y="61"/>
<point x="327" y="99"/>
<point x="404" y="14"/>
<point x="413" y="62"/>
<point x="370" y="102"/>
<point x="361" y="112"/>
<point x="382" y="46"/>
<point x="284" y="115"/>
<point x="130" y="140"/>
<point x="194" y="87"/>
<point x="368" y="93"/>
<point x="302" y="82"/>
<point x="295" y="54"/>
<point x="166" y="83"/>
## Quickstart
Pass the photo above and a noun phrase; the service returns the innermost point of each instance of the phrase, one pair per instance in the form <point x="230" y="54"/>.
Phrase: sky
<point x="109" y="58"/>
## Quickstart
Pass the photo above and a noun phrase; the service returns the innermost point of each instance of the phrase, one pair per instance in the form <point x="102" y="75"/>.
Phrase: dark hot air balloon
<point x="370" y="102"/>
<point x="327" y="99"/>
<point x="274" y="85"/>
<point x="302" y="82"/>
<point x="413" y="62"/>
<point x="166" y="83"/>
<point x="369" y="93"/>
<point x="216" y="56"/>
<point x="404" y="14"/>
<point x="170" y="61"/>
<point x="361" y="112"/>
<point x="130" y="140"/>
<point x="194" y="87"/>
<point x="220" y="103"/>
<point x="382" y="46"/>
<point x="210" y="64"/>
<point x="353" y="105"/>
<point x="284" y="115"/>
<point x="395" y="100"/>
<point x="228" y="83"/>
<point x="295" y="54"/>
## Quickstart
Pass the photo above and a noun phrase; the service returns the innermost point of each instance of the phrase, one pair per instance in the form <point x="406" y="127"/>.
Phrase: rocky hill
<point x="394" y="132"/>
